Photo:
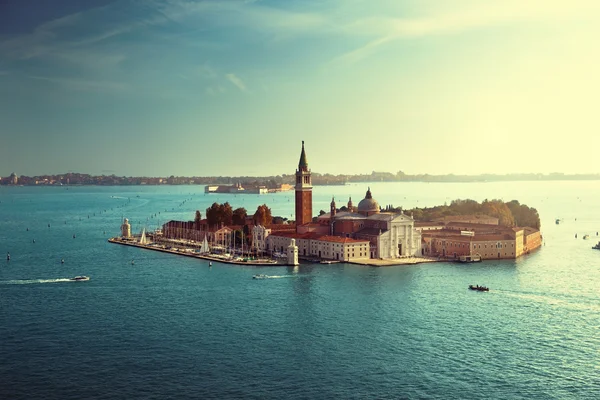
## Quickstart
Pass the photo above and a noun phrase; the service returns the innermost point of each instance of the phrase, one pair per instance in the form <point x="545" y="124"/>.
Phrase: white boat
<point x="204" y="248"/>
<point x="143" y="239"/>
<point x="80" y="278"/>
<point x="260" y="276"/>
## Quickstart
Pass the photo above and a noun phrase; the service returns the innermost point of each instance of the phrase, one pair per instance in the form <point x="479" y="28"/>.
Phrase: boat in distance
<point x="470" y="258"/>
<point x="596" y="246"/>
<point x="80" y="278"/>
<point x="479" y="288"/>
<point x="260" y="276"/>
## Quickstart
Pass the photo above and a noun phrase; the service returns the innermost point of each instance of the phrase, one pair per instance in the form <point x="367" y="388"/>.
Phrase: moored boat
<point x="470" y="258"/>
<point x="479" y="288"/>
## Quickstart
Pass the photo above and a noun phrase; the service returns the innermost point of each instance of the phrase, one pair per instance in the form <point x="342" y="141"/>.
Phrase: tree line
<point x="224" y="214"/>
<point x="509" y="214"/>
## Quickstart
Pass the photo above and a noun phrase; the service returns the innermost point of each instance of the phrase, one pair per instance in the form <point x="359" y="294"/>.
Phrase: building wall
<point x="259" y="238"/>
<point x="320" y="248"/>
<point x="347" y="227"/>
<point x="532" y="241"/>
<point x="495" y="249"/>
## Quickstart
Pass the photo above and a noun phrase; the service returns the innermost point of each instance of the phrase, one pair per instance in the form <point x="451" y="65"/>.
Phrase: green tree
<point x="212" y="214"/>
<point x="226" y="213"/>
<point x="219" y="214"/>
<point x="262" y="216"/>
<point x="239" y="216"/>
<point x="498" y="209"/>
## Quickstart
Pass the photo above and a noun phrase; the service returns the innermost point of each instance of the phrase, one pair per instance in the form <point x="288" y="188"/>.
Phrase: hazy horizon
<point x="231" y="88"/>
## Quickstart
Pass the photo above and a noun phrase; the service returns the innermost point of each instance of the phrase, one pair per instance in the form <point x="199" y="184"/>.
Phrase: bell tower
<point x="303" y="191"/>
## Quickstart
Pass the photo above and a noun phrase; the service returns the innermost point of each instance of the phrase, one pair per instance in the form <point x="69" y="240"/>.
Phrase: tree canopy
<point x="509" y="214"/>
<point x="239" y="216"/>
<point x="262" y="216"/>
<point x="219" y="213"/>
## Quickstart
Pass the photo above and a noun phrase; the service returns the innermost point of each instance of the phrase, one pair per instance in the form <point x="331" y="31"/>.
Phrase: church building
<point x="361" y="232"/>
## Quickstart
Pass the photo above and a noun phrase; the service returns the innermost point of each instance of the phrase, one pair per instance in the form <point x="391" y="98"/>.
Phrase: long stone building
<point x="453" y="239"/>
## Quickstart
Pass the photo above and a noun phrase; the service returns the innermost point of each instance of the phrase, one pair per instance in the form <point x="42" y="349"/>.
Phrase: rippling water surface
<point x="172" y="327"/>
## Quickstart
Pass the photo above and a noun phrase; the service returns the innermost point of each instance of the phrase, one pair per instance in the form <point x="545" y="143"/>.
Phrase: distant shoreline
<point x="273" y="182"/>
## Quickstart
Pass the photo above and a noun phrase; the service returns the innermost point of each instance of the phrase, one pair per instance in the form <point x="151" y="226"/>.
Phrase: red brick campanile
<point x="303" y="191"/>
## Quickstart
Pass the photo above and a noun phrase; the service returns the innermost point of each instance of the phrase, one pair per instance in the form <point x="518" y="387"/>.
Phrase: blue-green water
<point x="171" y="327"/>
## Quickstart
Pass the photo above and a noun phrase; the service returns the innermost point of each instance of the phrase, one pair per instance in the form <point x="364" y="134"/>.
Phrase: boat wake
<point x="575" y="303"/>
<point x="273" y="276"/>
<point x="32" y="281"/>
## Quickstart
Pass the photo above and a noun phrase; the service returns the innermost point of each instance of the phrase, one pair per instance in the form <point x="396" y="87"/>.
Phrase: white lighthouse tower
<point x="126" y="229"/>
<point x="292" y="253"/>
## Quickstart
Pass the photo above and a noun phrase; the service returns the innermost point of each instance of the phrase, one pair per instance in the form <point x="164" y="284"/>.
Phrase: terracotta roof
<point x="282" y="227"/>
<point x="294" y="235"/>
<point x="449" y="235"/>
<point x="316" y="236"/>
<point x="339" y="239"/>
<point x="428" y="223"/>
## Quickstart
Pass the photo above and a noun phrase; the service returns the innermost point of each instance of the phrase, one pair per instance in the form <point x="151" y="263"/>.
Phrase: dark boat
<point x="596" y="246"/>
<point x="479" y="288"/>
<point x="80" y="278"/>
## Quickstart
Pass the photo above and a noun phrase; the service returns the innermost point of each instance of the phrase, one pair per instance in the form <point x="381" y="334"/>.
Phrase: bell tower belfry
<point x="303" y="191"/>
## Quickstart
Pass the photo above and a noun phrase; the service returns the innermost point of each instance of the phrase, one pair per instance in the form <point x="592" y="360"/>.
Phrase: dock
<point x="187" y="252"/>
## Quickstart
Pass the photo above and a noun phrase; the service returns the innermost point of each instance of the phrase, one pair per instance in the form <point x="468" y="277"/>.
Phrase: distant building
<point x="490" y="241"/>
<point x="13" y="179"/>
<point x="237" y="188"/>
<point x="259" y="238"/>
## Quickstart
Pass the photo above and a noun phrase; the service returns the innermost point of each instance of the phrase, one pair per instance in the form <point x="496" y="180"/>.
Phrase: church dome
<point x="368" y="204"/>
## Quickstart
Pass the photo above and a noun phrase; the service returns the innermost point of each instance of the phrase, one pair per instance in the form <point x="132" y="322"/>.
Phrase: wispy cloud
<point x="235" y="80"/>
<point x="486" y="14"/>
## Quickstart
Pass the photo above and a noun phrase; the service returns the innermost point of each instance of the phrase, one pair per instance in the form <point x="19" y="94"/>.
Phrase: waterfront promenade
<point x="189" y="252"/>
<point x="178" y="248"/>
<point x="390" y="262"/>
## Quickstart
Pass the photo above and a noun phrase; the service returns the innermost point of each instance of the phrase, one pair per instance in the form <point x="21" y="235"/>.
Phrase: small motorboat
<point x="260" y="276"/>
<point x="597" y="246"/>
<point x="479" y="288"/>
<point x="80" y="278"/>
<point x="586" y="237"/>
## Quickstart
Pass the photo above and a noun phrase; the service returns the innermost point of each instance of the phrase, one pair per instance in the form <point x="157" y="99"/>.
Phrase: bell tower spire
<point x="303" y="191"/>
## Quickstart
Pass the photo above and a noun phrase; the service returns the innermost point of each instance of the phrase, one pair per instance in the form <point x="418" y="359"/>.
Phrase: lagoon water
<point x="173" y="327"/>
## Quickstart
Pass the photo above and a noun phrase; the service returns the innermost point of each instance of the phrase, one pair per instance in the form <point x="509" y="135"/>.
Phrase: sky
<point x="228" y="87"/>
